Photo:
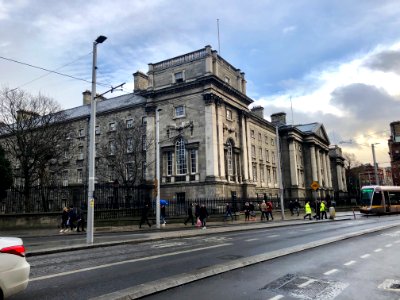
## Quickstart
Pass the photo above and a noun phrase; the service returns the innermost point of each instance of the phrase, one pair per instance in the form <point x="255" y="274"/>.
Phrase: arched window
<point x="180" y="152"/>
<point x="229" y="157"/>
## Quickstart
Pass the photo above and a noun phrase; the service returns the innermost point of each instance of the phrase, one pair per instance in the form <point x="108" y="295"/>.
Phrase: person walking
<point x="144" y="217"/>
<point x="190" y="212"/>
<point x="263" y="208"/>
<point x="247" y="211"/>
<point x="316" y="209"/>
<point x="307" y="209"/>
<point x="162" y="215"/>
<point x="291" y="207"/>
<point x="322" y="210"/>
<point x="64" y="220"/>
<point x="203" y="216"/>
<point x="228" y="212"/>
<point x="296" y="207"/>
<point x="80" y="223"/>
<point x="269" y="211"/>
<point x="71" y="217"/>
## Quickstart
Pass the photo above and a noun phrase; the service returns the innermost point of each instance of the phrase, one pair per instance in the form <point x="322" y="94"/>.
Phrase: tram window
<point x="394" y="198"/>
<point x="377" y="198"/>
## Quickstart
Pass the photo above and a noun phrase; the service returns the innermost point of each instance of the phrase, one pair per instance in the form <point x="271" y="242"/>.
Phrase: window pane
<point x="181" y="167"/>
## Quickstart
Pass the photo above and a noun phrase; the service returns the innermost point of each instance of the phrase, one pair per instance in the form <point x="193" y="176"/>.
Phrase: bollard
<point x="332" y="213"/>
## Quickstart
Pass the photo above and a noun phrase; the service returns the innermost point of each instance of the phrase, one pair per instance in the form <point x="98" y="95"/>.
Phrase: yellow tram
<point x="376" y="199"/>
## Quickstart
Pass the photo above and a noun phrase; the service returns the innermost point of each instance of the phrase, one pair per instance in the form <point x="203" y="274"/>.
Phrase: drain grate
<point x="305" y="287"/>
<point x="390" y="285"/>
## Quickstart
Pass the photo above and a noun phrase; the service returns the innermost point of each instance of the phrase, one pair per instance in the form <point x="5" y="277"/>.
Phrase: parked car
<point x="14" y="269"/>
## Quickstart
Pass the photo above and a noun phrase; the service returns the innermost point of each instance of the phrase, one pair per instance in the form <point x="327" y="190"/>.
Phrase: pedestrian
<point x="203" y="216"/>
<point x="228" y="212"/>
<point x="263" y="208"/>
<point x="322" y="210"/>
<point x="145" y="213"/>
<point x="71" y="217"/>
<point x="307" y="209"/>
<point x="190" y="213"/>
<point x="162" y="215"/>
<point x="316" y="209"/>
<point x="252" y="211"/>
<point x="247" y="211"/>
<point x="269" y="211"/>
<point x="291" y="207"/>
<point x="296" y="207"/>
<point x="64" y="220"/>
<point x="80" y="220"/>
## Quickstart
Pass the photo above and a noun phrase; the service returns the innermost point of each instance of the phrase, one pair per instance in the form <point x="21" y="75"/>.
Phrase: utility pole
<point x="278" y="149"/>
<point x="157" y="184"/>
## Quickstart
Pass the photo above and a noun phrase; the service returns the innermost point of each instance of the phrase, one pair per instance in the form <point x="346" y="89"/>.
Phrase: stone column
<point x="344" y="179"/>
<point x="211" y="138"/>
<point x="220" y="137"/>
<point x="293" y="164"/>
<point x="324" y="158"/>
<point x="339" y="179"/>
<point x="245" y="151"/>
<point x="318" y="158"/>
<point x="313" y="165"/>
<point x="328" y="168"/>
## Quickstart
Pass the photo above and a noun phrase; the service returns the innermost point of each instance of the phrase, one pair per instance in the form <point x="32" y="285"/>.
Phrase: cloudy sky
<point x="334" y="62"/>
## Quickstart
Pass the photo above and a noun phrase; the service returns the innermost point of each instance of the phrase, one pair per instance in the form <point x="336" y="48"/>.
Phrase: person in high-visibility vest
<point x="322" y="209"/>
<point x="307" y="208"/>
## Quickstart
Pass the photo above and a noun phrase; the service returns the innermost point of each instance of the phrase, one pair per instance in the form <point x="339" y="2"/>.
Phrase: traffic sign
<point x="315" y="185"/>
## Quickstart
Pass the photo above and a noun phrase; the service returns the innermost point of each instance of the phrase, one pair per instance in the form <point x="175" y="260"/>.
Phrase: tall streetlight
<point x="157" y="185"/>
<point x="375" y="166"/>
<point x="92" y="175"/>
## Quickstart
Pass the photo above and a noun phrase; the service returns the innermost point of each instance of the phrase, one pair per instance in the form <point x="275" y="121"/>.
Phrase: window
<point x="180" y="153"/>
<point x="66" y="154"/>
<point x="260" y="153"/>
<point x="129" y="171"/>
<point x="269" y="174"/>
<point x="254" y="173"/>
<point x="129" y="123"/>
<point x="266" y="139"/>
<point x="169" y="163"/>
<point x="262" y="173"/>
<point x="96" y="149"/>
<point x="272" y="142"/>
<point x="227" y="79"/>
<point x="179" y="111"/>
<point x="274" y="174"/>
<point x="65" y="178"/>
<point x="252" y="134"/>
<point x="111" y="172"/>
<point x="81" y="132"/>
<point x="79" y="176"/>
<point x="229" y="158"/>
<point x="267" y="155"/>
<point x="111" y="147"/>
<point x="68" y="135"/>
<point x="144" y="146"/>
<point x="129" y="145"/>
<point x="193" y="161"/>
<point x="259" y="137"/>
<point x="144" y="169"/>
<point x="111" y="126"/>
<point x="144" y="121"/>
<point x="80" y="153"/>
<point x="273" y="156"/>
<point x="229" y="114"/>
<point x="253" y="151"/>
<point x="97" y="130"/>
<point x="178" y="77"/>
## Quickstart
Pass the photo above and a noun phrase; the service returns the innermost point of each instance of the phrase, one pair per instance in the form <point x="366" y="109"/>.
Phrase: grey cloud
<point x="386" y="61"/>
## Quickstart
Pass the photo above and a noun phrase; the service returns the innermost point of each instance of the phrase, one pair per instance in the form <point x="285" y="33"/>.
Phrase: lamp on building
<point x="92" y="136"/>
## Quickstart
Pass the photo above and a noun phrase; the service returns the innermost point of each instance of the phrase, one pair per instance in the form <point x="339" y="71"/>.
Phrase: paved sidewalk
<point x="46" y="241"/>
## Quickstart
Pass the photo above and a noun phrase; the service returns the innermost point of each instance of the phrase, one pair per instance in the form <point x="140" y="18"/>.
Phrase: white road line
<point x="331" y="272"/>
<point x="304" y="284"/>
<point x="277" y="297"/>
<point x="365" y="255"/>
<point x="378" y="250"/>
<point x="127" y="262"/>
<point x="308" y="229"/>
<point x="349" y="263"/>
<point x="251" y="240"/>
<point x="388" y="245"/>
<point x="272" y="236"/>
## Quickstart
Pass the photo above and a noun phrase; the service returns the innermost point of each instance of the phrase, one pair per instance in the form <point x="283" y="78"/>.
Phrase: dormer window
<point x="112" y="126"/>
<point x="178" y="77"/>
<point x="227" y="80"/>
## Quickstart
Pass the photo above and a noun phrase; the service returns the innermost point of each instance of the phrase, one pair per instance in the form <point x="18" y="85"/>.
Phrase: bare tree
<point x="33" y="134"/>
<point x="352" y="179"/>
<point x="122" y="158"/>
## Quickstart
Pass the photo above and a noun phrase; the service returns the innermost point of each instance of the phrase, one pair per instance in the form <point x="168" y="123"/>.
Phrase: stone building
<point x="394" y="151"/>
<point x="338" y="171"/>
<point x="306" y="158"/>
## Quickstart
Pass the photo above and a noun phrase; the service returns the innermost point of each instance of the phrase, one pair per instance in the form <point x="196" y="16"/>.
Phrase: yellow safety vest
<point x="322" y="207"/>
<point x="308" y="208"/>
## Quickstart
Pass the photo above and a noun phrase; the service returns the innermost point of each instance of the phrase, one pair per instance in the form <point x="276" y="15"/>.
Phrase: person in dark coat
<point x="317" y="215"/>
<point x="203" y="215"/>
<point x="162" y="215"/>
<point x="228" y="212"/>
<point x="247" y="211"/>
<point x="190" y="211"/>
<point x="296" y="207"/>
<point x="64" y="220"/>
<point x="196" y="210"/>
<point x="71" y="217"/>
<point x="80" y="224"/>
<point x="291" y="207"/>
<point x="145" y="213"/>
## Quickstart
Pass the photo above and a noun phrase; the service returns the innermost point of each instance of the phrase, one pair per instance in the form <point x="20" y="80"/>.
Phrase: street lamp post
<point x="90" y="203"/>
<point x="157" y="185"/>
<point x="278" y="150"/>
<point x="375" y="166"/>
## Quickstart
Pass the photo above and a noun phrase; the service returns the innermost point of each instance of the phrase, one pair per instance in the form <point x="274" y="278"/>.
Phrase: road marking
<point x="277" y="297"/>
<point x="349" y="263"/>
<point x="331" y="272"/>
<point x="168" y="245"/>
<point x="378" y="250"/>
<point x="127" y="262"/>
<point x="272" y="236"/>
<point x="308" y="229"/>
<point x="365" y="255"/>
<point x="251" y="240"/>
<point x="304" y="284"/>
<point x="388" y="245"/>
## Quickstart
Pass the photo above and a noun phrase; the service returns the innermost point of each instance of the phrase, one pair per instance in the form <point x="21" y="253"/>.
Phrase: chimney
<point x="278" y="118"/>
<point x="87" y="97"/>
<point x="259" y="111"/>
<point x="140" y="81"/>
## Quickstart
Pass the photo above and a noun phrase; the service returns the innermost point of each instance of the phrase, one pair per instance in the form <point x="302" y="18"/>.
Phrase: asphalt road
<point x="100" y="271"/>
